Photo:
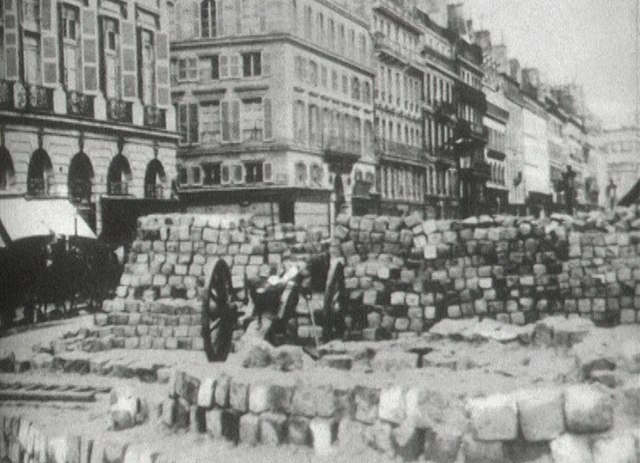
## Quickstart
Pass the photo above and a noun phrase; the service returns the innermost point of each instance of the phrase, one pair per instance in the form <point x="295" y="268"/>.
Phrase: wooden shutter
<point x="193" y="123"/>
<point x="162" y="69"/>
<point x="226" y="132"/>
<point x="266" y="63"/>
<point x="234" y="65"/>
<point x="268" y="124"/>
<point x="128" y="46"/>
<point x="90" y="50"/>
<point x="11" y="39"/>
<point x="267" y="173"/>
<point x="225" y="176"/>
<point x="183" y="123"/>
<point x="235" y="120"/>
<point x="49" y="43"/>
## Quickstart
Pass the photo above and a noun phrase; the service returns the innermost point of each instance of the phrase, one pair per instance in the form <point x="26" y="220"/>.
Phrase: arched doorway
<point x="40" y="174"/>
<point x="80" y="178"/>
<point x="119" y="176"/>
<point x="154" y="180"/>
<point x="7" y="171"/>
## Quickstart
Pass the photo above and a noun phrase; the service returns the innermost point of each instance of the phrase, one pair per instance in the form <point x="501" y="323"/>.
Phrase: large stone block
<point x="478" y="451"/>
<point x="394" y="360"/>
<point x="408" y="440"/>
<point x="323" y="434"/>
<point x="269" y="397"/>
<point x="541" y="414"/>
<point x="250" y="429"/>
<point x="615" y="449"/>
<point x="272" y="428"/>
<point x="587" y="409"/>
<point x="313" y="401"/>
<point x="391" y="406"/>
<point x="239" y="396"/>
<point x="494" y="418"/>
<point x="298" y="432"/>
<point x="571" y="448"/>
<point x="206" y="393"/>
<point x="379" y="437"/>
<point x="365" y="402"/>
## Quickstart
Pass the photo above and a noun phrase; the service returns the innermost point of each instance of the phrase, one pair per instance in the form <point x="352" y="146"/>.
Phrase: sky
<point x="591" y="42"/>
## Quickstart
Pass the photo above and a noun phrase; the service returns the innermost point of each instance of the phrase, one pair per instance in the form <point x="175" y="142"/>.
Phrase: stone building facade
<point x="85" y="109"/>
<point x="620" y="149"/>
<point x="275" y="108"/>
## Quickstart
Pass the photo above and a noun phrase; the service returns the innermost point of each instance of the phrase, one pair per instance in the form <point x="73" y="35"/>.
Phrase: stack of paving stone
<point x="405" y="274"/>
<point x="158" y="301"/>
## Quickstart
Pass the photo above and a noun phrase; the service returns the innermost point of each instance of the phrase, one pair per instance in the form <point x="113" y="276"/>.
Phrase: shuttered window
<point x="188" y="123"/>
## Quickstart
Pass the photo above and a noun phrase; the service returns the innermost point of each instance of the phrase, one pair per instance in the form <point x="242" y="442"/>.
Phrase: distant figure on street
<point x="568" y="182"/>
<point x="611" y="194"/>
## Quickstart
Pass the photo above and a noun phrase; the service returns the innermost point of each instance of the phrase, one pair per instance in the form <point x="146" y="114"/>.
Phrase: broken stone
<point x="587" y="410"/>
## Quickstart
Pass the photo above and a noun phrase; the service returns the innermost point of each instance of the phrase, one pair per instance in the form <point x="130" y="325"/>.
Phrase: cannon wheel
<point x="335" y="301"/>
<point x="218" y="316"/>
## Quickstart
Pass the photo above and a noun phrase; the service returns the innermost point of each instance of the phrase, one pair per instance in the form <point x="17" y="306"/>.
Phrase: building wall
<point x="64" y="99"/>
<point x="536" y="154"/>
<point x="621" y="152"/>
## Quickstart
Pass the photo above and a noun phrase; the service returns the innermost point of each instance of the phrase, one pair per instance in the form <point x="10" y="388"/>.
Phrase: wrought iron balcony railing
<point x="155" y="117"/>
<point x="153" y="191"/>
<point x="342" y="145"/>
<point x="79" y="104"/>
<point x="119" y="111"/>
<point x="117" y="188"/>
<point x="80" y="190"/>
<point x="392" y="148"/>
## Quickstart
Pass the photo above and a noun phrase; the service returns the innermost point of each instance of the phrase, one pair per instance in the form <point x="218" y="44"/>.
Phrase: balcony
<point x="120" y="111"/>
<point x="117" y="188"/>
<point x="79" y="104"/>
<point x="398" y="150"/>
<point x="473" y="131"/>
<point x="155" y="117"/>
<point x="446" y="111"/>
<point x="471" y="95"/>
<point x="80" y="190"/>
<point x="37" y="187"/>
<point x="394" y="50"/>
<point x="400" y="11"/>
<point x="341" y="153"/>
<point x="153" y="191"/>
<point x="39" y="98"/>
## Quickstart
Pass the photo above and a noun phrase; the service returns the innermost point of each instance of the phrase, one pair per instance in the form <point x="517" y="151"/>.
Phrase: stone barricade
<point x="405" y="274"/>
<point x="158" y="301"/>
<point x="402" y="275"/>
<point x="563" y="424"/>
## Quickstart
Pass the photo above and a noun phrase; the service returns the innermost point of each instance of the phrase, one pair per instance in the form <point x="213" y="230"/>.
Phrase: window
<point x="301" y="173"/>
<point x="31" y="59"/>
<point x="334" y="80"/>
<point x="253" y="172"/>
<point x="345" y="84"/>
<point x="147" y="67"/>
<point x="313" y="73"/>
<point x="196" y="177"/>
<point x="314" y="126"/>
<point x="31" y="14"/>
<point x="212" y="174"/>
<point x="308" y="22"/>
<point x="183" y="176"/>
<point x="208" y="18"/>
<point x="331" y="35"/>
<point x="210" y="123"/>
<point x="323" y="76"/>
<point x="355" y="88"/>
<point x="320" y="31"/>
<point x="341" y="38"/>
<point x="230" y="121"/>
<point x="229" y="66"/>
<point x="252" y="119"/>
<point x="111" y="57"/>
<point x="366" y="93"/>
<point x="153" y="180"/>
<point x="299" y="121"/>
<point x="70" y="53"/>
<point x="187" y="69"/>
<point x="300" y="69"/>
<point x="209" y="67"/>
<point x="251" y="64"/>
<point x="188" y="123"/>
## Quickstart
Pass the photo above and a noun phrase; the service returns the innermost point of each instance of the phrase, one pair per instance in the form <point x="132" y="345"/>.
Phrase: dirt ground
<point x="473" y="369"/>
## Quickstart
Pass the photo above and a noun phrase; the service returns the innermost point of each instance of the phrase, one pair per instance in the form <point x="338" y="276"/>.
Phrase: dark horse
<point x="39" y="272"/>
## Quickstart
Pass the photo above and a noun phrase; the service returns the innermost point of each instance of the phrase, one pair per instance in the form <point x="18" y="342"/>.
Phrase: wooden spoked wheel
<point x="335" y="302"/>
<point x="218" y="316"/>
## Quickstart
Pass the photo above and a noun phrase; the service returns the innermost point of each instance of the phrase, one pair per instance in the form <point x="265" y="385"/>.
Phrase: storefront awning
<point x="23" y="218"/>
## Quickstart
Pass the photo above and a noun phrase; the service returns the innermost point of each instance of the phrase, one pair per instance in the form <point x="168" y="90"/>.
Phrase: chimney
<point x="514" y="67"/>
<point x="483" y="40"/>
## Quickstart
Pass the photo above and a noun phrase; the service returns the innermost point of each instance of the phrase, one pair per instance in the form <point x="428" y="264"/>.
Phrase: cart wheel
<point x="335" y="302"/>
<point x="218" y="317"/>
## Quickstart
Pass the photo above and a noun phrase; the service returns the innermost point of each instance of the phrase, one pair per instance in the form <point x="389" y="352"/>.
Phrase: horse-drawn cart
<point x="267" y="306"/>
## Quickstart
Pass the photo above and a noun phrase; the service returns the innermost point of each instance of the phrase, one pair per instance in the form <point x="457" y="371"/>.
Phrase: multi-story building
<point x="85" y="110"/>
<point x="440" y="120"/>
<point x="471" y="135"/>
<point x="556" y="120"/>
<point x="401" y="174"/>
<point x="536" y="157"/>
<point x="621" y="151"/>
<point x="275" y="108"/>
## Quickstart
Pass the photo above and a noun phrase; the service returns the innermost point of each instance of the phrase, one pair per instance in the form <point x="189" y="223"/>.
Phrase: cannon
<point x="269" y="305"/>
